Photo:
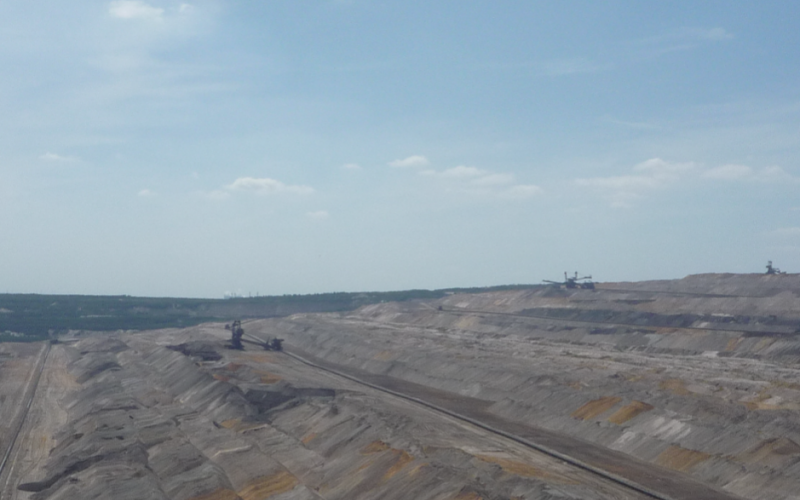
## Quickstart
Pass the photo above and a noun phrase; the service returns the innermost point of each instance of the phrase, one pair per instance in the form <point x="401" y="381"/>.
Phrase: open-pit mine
<point x="682" y="389"/>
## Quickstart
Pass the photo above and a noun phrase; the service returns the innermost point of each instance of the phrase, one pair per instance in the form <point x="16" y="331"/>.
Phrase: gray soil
<point x="689" y="388"/>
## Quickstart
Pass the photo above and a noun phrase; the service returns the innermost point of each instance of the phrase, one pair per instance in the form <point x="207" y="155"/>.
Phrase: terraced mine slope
<point x="682" y="389"/>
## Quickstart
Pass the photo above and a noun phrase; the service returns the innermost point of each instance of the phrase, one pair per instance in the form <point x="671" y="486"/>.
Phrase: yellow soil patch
<point x="629" y="411"/>
<point x="269" y="486"/>
<point x="269" y="378"/>
<point x="675" y="386"/>
<point x="416" y="470"/>
<point x="231" y="424"/>
<point x="575" y="385"/>
<point x="681" y="459"/>
<point x="237" y="425"/>
<point x="220" y="494"/>
<point x="259" y="357"/>
<point x="787" y="385"/>
<point x="374" y="447"/>
<point x="733" y="344"/>
<point x="468" y="495"/>
<point x="233" y="366"/>
<point x="596" y="407"/>
<point x="763" y="344"/>
<point x="770" y="449"/>
<point x="41" y="444"/>
<point x="665" y="330"/>
<point x="221" y="377"/>
<point x="524" y="470"/>
<point x="308" y="438"/>
<point x="384" y="356"/>
<point x="403" y="459"/>
<point x="759" y="402"/>
<point x="60" y="374"/>
<point x="467" y="322"/>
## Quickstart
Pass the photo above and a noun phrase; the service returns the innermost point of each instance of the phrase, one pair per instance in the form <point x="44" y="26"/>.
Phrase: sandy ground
<point x="689" y="387"/>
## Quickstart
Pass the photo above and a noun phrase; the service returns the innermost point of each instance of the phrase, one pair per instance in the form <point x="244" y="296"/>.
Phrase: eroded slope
<point x="697" y="375"/>
<point x="172" y="414"/>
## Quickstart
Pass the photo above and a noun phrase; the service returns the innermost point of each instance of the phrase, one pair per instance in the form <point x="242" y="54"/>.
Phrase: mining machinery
<point x="238" y="336"/>
<point x="773" y="270"/>
<point x="584" y="282"/>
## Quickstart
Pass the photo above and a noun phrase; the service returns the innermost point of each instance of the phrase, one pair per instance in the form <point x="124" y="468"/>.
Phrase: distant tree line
<point x="28" y="317"/>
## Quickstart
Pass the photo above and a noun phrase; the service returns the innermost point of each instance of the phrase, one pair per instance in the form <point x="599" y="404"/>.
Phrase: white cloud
<point x="654" y="174"/>
<point x="632" y="124"/>
<point x="715" y="34"/>
<point x="318" y="215"/>
<point x="681" y="40"/>
<point x="461" y="172"/>
<point x="411" y="161"/>
<point x="185" y="8"/>
<point x="135" y="9"/>
<point x="622" y="191"/>
<point x="351" y="166"/>
<point x="524" y="191"/>
<point x="146" y="193"/>
<point x="728" y="172"/>
<point x="267" y="186"/>
<point x="659" y="168"/>
<point x="493" y="180"/>
<point x="57" y="158"/>
<point x="628" y="183"/>
<point x="217" y="195"/>
<point x="733" y="172"/>
<point x="479" y="182"/>
<point x="772" y="174"/>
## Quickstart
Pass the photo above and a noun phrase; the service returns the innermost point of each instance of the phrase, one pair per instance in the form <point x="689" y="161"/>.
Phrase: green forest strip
<point x="34" y="317"/>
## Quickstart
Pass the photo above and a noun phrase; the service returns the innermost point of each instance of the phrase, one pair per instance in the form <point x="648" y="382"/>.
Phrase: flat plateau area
<point x="682" y="389"/>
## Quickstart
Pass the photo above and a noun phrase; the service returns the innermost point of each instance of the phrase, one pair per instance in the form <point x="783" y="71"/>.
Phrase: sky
<point x="200" y="148"/>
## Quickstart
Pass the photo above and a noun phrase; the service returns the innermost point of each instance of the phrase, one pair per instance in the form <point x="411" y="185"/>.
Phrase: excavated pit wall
<point x="720" y="405"/>
<point x="174" y="415"/>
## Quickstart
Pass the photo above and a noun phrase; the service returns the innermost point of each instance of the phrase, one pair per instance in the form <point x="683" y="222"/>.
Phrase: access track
<point x="622" y="470"/>
<point x="30" y="392"/>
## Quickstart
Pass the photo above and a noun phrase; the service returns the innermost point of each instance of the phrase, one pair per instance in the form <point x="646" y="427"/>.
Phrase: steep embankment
<point x="696" y="375"/>
<point x="174" y="415"/>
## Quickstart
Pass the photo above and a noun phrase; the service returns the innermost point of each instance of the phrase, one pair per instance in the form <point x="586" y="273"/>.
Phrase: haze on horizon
<point x="192" y="148"/>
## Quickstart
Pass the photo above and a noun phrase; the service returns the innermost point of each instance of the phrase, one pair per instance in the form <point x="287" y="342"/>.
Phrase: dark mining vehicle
<point x="238" y="336"/>
<point x="573" y="282"/>
<point x="773" y="270"/>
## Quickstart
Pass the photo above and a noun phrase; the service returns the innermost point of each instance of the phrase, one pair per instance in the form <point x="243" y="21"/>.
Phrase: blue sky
<point x="195" y="148"/>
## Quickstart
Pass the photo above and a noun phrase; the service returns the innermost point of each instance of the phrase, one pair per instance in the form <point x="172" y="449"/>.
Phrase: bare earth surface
<point x="688" y="388"/>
